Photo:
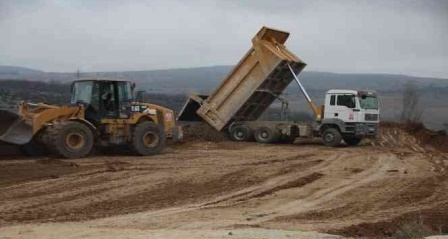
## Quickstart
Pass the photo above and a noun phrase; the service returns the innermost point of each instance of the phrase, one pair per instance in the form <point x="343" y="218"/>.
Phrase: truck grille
<point x="371" y="117"/>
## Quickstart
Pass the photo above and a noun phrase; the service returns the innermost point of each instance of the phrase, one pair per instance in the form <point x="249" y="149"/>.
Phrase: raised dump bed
<point x="252" y="85"/>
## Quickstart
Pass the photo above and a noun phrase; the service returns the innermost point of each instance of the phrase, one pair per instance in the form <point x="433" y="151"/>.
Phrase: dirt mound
<point x="411" y="138"/>
<point x="203" y="132"/>
<point x="416" y="224"/>
<point x="397" y="134"/>
<point x="355" y="191"/>
<point x="35" y="170"/>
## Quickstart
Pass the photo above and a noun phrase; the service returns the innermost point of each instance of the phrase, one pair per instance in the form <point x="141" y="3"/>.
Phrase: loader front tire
<point x="148" y="138"/>
<point x="71" y="139"/>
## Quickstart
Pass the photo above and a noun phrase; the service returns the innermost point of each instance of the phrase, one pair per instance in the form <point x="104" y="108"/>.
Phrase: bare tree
<point x="412" y="112"/>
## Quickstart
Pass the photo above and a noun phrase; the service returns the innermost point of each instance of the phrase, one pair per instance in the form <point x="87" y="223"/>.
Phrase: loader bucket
<point x="14" y="129"/>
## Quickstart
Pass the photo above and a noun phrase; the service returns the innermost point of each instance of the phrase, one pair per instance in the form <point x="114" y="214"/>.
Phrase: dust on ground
<point x="205" y="187"/>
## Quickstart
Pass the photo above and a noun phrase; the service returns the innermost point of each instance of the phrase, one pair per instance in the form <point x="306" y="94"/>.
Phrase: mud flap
<point x="18" y="133"/>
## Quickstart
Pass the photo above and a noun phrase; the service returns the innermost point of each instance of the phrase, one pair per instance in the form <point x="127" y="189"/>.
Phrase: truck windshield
<point x="369" y="102"/>
<point x="82" y="91"/>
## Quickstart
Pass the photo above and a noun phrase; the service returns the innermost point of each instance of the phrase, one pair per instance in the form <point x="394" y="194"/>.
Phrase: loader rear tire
<point x="266" y="135"/>
<point x="241" y="133"/>
<point x="71" y="139"/>
<point x="148" y="138"/>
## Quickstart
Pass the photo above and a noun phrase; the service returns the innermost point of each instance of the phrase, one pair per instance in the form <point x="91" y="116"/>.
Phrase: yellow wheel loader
<point x="102" y="113"/>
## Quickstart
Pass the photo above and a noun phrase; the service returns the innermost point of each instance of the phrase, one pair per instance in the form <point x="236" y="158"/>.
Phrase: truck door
<point x="345" y="105"/>
<point x="341" y="106"/>
<point x="330" y="107"/>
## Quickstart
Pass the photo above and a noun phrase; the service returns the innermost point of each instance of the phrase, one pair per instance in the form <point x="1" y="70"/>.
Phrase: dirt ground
<point x="223" y="189"/>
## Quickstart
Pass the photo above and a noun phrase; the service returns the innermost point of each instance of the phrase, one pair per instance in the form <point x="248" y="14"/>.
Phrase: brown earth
<point x="203" y="132"/>
<point x="370" y="190"/>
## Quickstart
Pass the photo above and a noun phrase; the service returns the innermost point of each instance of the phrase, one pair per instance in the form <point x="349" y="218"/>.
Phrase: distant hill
<point x="17" y="71"/>
<point x="205" y="79"/>
<point x="169" y="88"/>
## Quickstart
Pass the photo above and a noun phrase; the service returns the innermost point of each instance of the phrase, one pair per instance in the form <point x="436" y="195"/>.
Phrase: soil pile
<point x="394" y="134"/>
<point x="397" y="184"/>
<point x="203" y="132"/>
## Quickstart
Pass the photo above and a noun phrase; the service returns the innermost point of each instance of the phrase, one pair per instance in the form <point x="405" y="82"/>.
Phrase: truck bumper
<point x="366" y="129"/>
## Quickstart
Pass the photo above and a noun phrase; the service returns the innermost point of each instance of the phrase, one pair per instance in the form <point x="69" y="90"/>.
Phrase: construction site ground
<point x="215" y="188"/>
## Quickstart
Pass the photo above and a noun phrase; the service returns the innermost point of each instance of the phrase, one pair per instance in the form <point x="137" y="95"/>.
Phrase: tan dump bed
<point x="251" y="86"/>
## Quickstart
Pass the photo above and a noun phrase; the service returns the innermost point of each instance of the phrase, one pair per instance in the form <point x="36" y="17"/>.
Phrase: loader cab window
<point x="124" y="91"/>
<point x="108" y="103"/>
<point x="82" y="92"/>
<point x="124" y="99"/>
<point x="347" y="100"/>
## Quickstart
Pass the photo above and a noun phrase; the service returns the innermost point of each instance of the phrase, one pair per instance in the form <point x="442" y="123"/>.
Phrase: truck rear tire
<point x="331" y="137"/>
<point x="148" y="138"/>
<point x="241" y="133"/>
<point x="71" y="139"/>
<point x="352" y="141"/>
<point x="266" y="135"/>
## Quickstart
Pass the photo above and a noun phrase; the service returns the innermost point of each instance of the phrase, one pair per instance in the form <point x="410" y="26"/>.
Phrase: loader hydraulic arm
<point x="316" y="110"/>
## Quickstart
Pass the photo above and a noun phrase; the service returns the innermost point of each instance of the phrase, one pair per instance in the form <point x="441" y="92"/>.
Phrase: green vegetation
<point x="14" y="91"/>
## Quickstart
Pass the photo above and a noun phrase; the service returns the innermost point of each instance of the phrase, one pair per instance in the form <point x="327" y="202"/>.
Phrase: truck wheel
<point x="71" y="139"/>
<point x="240" y="133"/>
<point x="352" y="141"/>
<point x="148" y="138"/>
<point x="265" y="135"/>
<point x="332" y="137"/>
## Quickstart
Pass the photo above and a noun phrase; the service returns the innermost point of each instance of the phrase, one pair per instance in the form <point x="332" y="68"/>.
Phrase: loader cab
<point x="103" y="98"/>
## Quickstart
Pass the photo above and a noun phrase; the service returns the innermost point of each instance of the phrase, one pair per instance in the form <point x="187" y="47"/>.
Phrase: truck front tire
<point x="331" y="137"/>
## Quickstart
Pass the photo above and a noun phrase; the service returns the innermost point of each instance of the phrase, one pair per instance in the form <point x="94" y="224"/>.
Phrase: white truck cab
<point x="355" y="114"/>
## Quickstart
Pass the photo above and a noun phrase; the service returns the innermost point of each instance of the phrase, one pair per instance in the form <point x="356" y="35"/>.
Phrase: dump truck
<point x="259" y="79"/>
<point x="102" y="113"/>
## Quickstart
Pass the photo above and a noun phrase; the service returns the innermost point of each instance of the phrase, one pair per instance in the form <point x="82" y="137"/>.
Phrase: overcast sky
<point x="360" y="36"/>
